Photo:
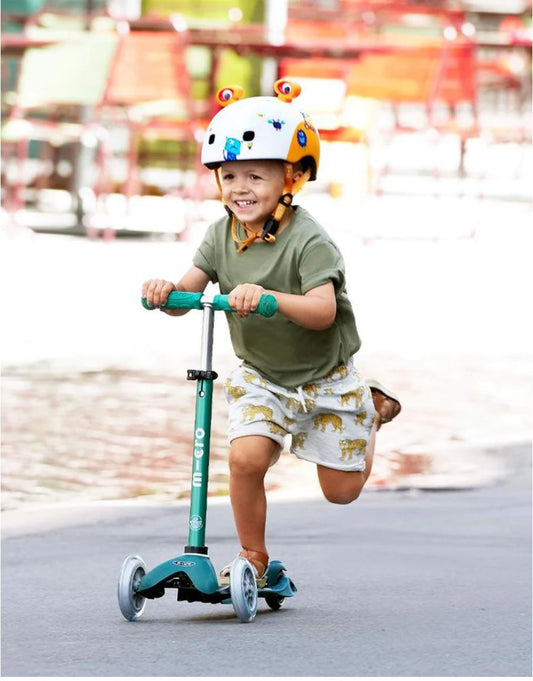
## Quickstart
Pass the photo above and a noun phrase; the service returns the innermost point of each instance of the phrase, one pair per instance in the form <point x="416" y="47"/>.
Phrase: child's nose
<point x="241" y="185"/>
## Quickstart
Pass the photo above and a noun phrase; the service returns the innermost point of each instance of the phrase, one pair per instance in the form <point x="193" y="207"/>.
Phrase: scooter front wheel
<point x="130" y="602"/>
<point x="243" y="589"/>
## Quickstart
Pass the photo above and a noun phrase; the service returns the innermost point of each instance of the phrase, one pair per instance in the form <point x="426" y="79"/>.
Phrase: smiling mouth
<point x="244" y="204"/>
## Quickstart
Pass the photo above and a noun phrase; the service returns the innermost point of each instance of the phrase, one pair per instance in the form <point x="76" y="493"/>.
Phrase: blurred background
<point x="424" y="111"/>
<point x="105" y="101"/>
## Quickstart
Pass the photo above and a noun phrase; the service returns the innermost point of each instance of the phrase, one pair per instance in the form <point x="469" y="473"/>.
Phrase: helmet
<point x="262" y="128"/>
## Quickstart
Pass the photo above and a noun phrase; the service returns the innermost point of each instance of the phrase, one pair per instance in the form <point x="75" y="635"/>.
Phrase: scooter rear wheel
<point x="274" y="601"/>
<point x="131" y="603"/>
<point x="243" y="589"/>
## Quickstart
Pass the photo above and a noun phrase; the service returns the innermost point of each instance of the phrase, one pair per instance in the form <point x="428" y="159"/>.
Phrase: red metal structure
<point x="425" y="55"/>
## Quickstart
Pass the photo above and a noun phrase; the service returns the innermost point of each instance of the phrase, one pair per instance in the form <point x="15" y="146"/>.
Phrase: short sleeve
<point x="319" y="263"/>
<point x="205" y="256"/>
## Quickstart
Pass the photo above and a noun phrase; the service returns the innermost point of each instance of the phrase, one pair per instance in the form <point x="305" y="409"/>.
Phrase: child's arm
<point x="315" y="310"/>
<point x="156" y="291"/>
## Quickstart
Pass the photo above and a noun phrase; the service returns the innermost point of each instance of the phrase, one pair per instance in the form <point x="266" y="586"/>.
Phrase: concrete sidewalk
<point x="95" y="405"/>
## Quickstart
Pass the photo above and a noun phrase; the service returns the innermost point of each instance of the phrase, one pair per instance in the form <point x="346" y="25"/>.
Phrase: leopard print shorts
<point x="329" y="420"/>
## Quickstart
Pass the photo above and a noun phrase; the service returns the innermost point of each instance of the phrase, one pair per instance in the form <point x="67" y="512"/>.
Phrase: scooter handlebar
<point x="182" y="300"/>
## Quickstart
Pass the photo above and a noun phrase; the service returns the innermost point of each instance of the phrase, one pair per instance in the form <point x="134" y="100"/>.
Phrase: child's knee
<point x="340" y="487"/>
<point x="242" y="463"/>
<point x="249" y="458"/>
<point x="341" y="496"/>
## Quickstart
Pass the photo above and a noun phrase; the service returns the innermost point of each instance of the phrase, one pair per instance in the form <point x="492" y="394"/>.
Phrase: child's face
<point x="251" y="189"/>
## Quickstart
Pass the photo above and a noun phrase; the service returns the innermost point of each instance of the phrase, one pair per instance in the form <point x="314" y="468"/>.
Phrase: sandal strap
<point x="386" y="403"/>
<point x="258" y="559"/>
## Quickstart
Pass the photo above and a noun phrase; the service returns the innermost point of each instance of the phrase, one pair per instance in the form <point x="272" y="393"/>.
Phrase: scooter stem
<point x="202" y="435"/>
<point x="206" y="350"/>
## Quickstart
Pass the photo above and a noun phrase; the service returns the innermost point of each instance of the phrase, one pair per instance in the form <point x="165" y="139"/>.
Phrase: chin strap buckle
<point x="286" y="200"/>
<point x="270" y="228"/>
<point x="272" y="224"/>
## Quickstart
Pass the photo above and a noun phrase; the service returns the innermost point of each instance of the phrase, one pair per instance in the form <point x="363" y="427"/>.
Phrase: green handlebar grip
<point x="268" y="305"/>
<point x="220" y="303"/>
<point x="180" y="300"/>
<point x="145" y="305"/>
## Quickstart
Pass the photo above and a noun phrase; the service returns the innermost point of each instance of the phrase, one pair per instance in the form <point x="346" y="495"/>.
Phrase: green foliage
<point x="21" y="7"/>
<point x="162" y="153"/>
<point x="244" y="71"/>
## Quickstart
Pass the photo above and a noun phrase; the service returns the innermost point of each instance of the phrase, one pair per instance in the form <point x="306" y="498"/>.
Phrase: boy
<point x="297" y="375"/>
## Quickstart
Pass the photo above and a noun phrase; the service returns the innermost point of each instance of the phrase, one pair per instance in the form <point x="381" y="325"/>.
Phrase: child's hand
<point x="245" y="298"/>
<point x="156" y="291"/>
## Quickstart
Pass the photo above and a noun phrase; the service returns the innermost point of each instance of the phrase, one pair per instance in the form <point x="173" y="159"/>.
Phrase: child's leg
<point x="249" y="460"/>
<point x="343" y="487"/>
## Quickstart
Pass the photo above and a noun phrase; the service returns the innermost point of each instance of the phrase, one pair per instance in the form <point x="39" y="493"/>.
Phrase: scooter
<point x="192" y="573"/>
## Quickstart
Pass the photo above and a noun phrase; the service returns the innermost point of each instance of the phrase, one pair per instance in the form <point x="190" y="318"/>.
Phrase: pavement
<point x="407" y="583"/>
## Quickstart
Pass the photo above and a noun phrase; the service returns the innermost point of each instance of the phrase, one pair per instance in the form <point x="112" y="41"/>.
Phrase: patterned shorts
<point x="329" y="420"/>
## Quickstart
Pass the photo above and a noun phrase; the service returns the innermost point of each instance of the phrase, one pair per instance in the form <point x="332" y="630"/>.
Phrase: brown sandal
<point x="386" y="403"/>
<point x="257" y="559"/>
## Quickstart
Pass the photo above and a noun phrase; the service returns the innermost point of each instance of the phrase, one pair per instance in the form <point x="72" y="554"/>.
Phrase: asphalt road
<point x="397" y="584"/>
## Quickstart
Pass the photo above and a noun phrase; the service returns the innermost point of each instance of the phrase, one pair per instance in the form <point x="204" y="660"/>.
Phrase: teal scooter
<point x="192" y="573"/>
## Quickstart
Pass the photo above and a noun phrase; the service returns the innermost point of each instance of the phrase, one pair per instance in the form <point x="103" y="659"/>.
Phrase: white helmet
<point x="262" y="128"/>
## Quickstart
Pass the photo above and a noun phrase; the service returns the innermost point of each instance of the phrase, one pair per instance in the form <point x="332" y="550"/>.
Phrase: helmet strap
<point x="271" y="225"/>
<point x="290" y="188"/>
<point x="219" y="185"/>
<point x="242" y="244"/>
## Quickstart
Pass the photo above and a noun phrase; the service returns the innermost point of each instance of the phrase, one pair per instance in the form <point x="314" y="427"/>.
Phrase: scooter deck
<point x="195" y="579"/>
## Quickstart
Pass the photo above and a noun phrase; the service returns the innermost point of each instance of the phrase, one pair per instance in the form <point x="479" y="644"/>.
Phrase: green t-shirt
<point x="302" y="257"/>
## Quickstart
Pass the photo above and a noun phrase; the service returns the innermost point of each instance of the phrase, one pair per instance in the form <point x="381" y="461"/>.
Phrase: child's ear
<point x="297" y="174"/>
